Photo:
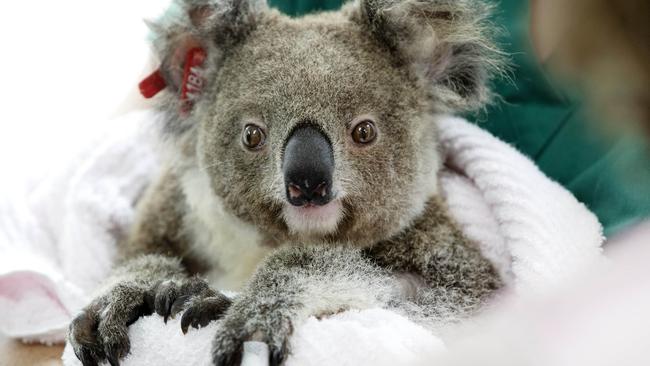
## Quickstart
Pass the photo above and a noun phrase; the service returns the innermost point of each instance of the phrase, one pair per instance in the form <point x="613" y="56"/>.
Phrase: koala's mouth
<point x="311" y="219"/>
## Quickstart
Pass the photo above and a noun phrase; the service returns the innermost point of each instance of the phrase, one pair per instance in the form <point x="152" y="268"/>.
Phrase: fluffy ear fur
<point x="214" y="25"/>
<point x="448" y="42"/>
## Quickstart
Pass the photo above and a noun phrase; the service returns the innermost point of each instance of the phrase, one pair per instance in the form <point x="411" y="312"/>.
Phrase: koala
<point x="303" y="175"/>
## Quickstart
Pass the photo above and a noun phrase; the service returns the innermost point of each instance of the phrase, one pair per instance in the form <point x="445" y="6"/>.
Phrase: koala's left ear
<point x="448" y="43"/>
<point x="210" y="26"/>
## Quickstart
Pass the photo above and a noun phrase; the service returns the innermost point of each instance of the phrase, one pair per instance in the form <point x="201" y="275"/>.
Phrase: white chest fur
<point x="221" y="239"/>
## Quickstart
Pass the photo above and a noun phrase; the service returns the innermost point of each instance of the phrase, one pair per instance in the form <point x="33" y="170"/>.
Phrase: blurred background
<point x="66" y="65"/>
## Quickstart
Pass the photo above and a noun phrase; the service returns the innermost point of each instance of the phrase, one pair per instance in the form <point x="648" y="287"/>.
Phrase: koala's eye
<point x="253" y="137"/>
<point x="364" y="132"/>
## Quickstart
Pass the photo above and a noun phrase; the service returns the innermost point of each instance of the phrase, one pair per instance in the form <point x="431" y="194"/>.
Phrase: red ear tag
<point x="152" y="85"/>
<point x="193" y="78"/>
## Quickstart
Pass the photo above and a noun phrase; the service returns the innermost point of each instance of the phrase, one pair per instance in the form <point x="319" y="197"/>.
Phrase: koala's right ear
<point x="447" y="42"/>
<point x="209" y="25"/>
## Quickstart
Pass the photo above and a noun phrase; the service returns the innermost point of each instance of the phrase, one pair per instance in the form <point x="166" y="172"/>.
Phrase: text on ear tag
<point x="193" y="78"/>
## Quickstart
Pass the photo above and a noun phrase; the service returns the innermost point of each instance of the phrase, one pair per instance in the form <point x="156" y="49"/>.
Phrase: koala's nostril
<point x="302" y="194"/>
<point x="321" y="190"/>
<point x="308" y="166"/>
<point x="294" y="191"/>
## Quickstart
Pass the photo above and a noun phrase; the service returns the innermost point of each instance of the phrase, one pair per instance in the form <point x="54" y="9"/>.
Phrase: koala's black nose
<point x="308" y="165"/>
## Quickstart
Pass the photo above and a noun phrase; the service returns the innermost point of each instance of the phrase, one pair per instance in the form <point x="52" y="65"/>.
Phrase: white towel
<point x="57" y="242"/>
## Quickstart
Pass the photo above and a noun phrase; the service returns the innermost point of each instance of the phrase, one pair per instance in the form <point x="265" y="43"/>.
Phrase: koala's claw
<point x="234" y="357"/>
<point x="84" y="341"/>
<point x="201" y="311"/>
<point x="170" y="297"/>
<point x="278" y="356"/>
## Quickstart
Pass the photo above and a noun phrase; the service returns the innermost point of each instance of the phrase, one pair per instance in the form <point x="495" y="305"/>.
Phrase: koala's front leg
<point x="454" y="279"/>
<point x="147" y="284"/>
<point x="292" y="284"/>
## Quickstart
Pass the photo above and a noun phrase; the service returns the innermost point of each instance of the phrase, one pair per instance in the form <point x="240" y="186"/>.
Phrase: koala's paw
<point x="272" y="329"/>
<point x="100" y="332"/>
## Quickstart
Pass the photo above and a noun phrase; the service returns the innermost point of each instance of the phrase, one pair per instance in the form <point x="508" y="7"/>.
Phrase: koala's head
<point x="323" y="127"/>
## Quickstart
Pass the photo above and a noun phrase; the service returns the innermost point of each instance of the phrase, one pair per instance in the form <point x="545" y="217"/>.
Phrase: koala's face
<point x="313" y="130"/>
<point x="317" y="128"/>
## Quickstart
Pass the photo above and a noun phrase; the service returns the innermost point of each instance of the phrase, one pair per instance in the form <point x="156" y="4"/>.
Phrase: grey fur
<point x="398" y="63"/>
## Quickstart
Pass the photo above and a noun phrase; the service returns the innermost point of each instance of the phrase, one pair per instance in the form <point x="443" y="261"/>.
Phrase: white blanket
<point x="57" y="243"/>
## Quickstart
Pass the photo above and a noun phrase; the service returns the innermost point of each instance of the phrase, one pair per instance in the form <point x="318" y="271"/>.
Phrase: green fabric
<point x="300" y="7"/>
<point x="611" y="175"/>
